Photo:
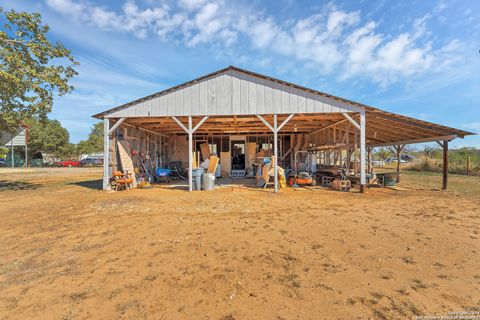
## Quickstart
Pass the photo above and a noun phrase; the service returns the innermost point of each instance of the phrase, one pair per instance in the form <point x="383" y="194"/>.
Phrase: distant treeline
<point x="460" y="161"/>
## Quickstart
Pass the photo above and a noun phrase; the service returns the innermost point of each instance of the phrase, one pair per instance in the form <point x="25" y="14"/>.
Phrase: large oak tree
<point x="32" y="69"/>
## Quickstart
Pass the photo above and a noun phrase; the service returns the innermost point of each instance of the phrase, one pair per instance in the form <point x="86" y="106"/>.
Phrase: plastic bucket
<point x="208" y="181"/>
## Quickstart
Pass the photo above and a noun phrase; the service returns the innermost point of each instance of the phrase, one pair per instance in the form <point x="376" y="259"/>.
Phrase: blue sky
<point x="417" y="58"/>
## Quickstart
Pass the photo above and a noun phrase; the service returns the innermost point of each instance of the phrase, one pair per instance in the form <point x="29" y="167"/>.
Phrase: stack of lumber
<point x="126" y="160"/>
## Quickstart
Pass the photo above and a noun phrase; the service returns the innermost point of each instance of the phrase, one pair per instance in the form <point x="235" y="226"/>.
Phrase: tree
<point x="32" y="69"/>
<point x="67" y="151"/>
<point x="383" y="153"/>
<point x="430" y="152"/>
<point x="94" y="143"/>
<point x="47" y="136"/>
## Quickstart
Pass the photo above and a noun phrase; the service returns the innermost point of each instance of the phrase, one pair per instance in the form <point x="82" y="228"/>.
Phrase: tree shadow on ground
<point x="96" y="184"/>
<point x="6" y="185"/>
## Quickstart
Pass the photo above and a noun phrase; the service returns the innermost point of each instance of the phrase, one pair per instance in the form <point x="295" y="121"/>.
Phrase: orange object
<point x="122" y="180"/>
<point x="301" y="181"/>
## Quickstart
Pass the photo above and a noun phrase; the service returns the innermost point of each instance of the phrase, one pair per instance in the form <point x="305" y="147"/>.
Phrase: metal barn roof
<point x="238" y="94"/>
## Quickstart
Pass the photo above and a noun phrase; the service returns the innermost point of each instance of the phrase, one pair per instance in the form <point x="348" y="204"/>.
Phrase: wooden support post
<point x="445" y="165"/>
<point x="369" y="162"/>
<point x="468" y="166"/>
<point x="106" y="153"/>
<point x="399" y="149"/>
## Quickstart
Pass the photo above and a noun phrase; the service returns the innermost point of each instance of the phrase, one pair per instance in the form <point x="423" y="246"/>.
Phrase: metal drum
<point x="208" y="181"/>
<point x="197" y="178"/>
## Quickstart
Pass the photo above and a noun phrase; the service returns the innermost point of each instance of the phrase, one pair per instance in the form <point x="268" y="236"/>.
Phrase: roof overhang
<point x="318" y="110"/>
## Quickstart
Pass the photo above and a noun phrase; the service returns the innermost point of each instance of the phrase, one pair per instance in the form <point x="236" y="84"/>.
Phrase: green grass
<point x="433" y="181"/>
<point x="469" y="185"/>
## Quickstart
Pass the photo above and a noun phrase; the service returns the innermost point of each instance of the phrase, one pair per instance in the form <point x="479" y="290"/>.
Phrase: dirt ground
<point x="71" y="251"/>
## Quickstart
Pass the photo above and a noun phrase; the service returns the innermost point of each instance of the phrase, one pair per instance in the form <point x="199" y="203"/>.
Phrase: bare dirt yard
<point x="71" y="251"/>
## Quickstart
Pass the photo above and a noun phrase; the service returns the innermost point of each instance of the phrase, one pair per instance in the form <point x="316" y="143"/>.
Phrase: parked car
<point x="3" y="162"/>
<point x="406" y="158"/>
<point x="67" y="163"/>
<point x="394" y="159"/>
<point x="91" y="162"/>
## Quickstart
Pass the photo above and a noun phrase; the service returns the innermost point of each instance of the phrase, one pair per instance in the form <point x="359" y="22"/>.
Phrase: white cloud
<point x="192" y="4"/>
<point x="333" y="41"/>
<point x="67" y="7"/>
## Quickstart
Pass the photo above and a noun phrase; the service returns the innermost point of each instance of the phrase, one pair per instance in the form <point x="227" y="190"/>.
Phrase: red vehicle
<point x="67" y="163"/>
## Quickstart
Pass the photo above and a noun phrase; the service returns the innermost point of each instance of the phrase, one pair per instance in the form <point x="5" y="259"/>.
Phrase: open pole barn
<point x="232" y="107"/>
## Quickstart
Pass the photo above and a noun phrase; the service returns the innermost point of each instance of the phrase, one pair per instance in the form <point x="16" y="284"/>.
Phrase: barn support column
<point x="275" y="129"/>
<point x="275" y="152"/>
<point x="361" y="128"/>
<point x="363" y="180"/>
<point x="444" y="146"/>
<point x="106" y="153"/>
<point x="369" y="160"/>
<point x="190" y="132"/>
<point x="190" y="154"/>
<point x="445" y="165"/>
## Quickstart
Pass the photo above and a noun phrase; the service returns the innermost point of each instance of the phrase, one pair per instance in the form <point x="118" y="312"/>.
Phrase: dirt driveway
<point x="71" y="251"/>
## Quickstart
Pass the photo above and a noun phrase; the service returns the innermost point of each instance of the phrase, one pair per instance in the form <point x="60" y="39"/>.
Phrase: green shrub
<point x="457" y="162"/>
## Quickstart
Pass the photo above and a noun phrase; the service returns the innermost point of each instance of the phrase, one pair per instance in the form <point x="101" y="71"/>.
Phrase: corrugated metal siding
<point x="235" y="93"/>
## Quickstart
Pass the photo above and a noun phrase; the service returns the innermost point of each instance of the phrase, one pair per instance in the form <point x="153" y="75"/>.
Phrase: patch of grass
<point x="386" y="276"/>
<point x="468" y="185"/>
<point x="402" y="291"/>
<point x="68" y="316"/>
<point x="379" y="314"/>
<point x="408" y="260"/>
<point x="417" y="285"/>
<point x="17" y="185"/>
<point x="78" y="296"/>
<point x="377" y="295"/>
<point x="150" y="278"/>
<point x="291" y="281"/>
<point x="289" y="257"/>
<point x="134" y="304"/>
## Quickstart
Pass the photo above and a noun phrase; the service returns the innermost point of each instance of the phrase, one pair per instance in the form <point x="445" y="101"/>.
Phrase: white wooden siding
<point x="234" y="93"/>
<point x="19" y="138"/>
